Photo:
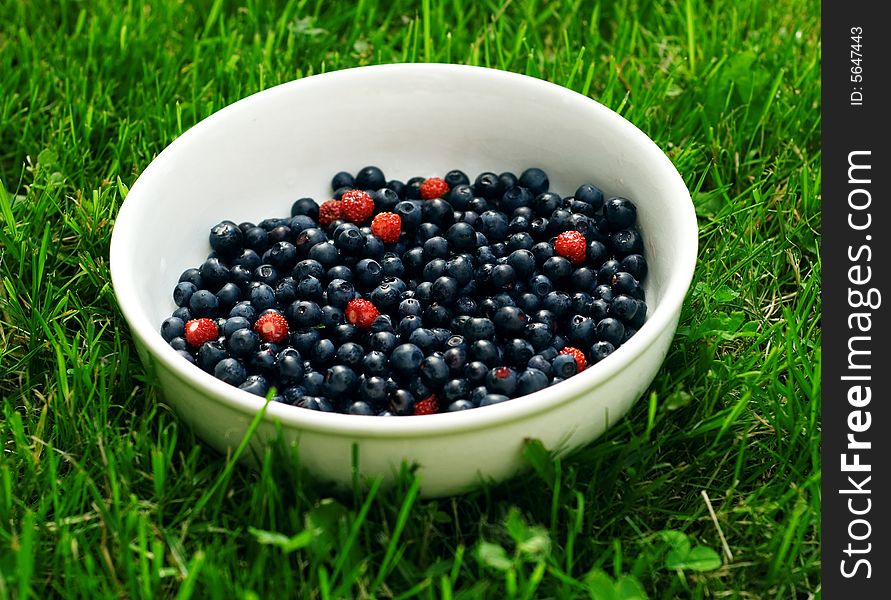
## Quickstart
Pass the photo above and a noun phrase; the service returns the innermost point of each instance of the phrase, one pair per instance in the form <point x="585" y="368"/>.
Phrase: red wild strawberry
<point x="572" y="245"/>
<point x="578" y="355"/>
<point x="272" y="327"/>
<point x="356" y="206"/>
<point x="199" y="331"/>
<point x="386" y="226"/>
<point x="329" y="212"/>
<point x="427" y="406"/>
<point x="361" y="313"/>
<point x="434" y="188"/>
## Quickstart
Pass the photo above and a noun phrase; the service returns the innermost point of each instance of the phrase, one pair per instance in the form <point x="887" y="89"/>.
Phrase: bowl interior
<point x="253" y="159"/>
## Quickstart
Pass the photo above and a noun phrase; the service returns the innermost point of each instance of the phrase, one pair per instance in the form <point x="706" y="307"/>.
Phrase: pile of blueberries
<point x="476" y="293"/>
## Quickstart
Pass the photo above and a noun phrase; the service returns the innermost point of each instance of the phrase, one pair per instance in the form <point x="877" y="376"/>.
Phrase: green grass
<point x="104" y="493"/>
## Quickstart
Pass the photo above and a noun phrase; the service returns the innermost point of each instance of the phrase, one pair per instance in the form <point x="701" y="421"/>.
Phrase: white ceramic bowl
<point x="252" y="159"/>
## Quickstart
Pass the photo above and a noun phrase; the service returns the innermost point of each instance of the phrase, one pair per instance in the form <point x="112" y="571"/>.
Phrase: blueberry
<point x="368" y="273"/>
<point x="486" y="352"/>
<point x="490" y="399"/>
<point x="459" y="405"/>
<point x="636" y="265"/>
<point x="620" y="213"/>
<point x="375" y="363"/>
<point x="434" y="371"/>
<point x="179" y="343"/>
<point x="640" y="316"/>
<point x="610" y="330"/>
<point x="326" y="253"/>
<point x="342" y="179"/>
<point x="410" y="307"/>
<point x="340" y="380"/>
<point x="266" y="274"/>
<point x="455" y="389"/>
<point x="545" y="204"/>
<point x="517" y="352"/>
<point x="360" y="407"/>
<point x="531" y="380"/>
<point x="407" y="325"/>
<point x="599" y="309"/>
<point x="323" y="353"/>
<point x="461" y="237"/>
<point x="507" y="180"/>
<point x="349" y="240"/>
<point x="557" y="268"/>
<point x="286" y="291"/>
<point x="234" y="323"/>
<point x="209" y="354"/>
<point x="308" y="239"/>
<point x="314" y="382"/>
<point x="475" y="372"/>
<point x="623" y="308"/>
<point x="539" y="335"/>
<point x="255" y="384"/>
<point x="304" y="314"/>
<point x="243" y="342"/>
<point x="226" y="239"/>
<point x="564" y="366"/>
<point x="558" y="303"/>
<point x="406" y="359"/>
<point x="623" y="283"/>
<point x="487" y="185"/>
<point x="382" y="323"/>
<point x="308" y="268"/>
<point x="281" y="255"/>
<point x="603" y="292"/>
<point x="444" y="290"/>
<point x="494" y="225"/>
<point x="231" y="371"/>
<point x="289" y="367"/>
<point x="402" y="402"/>
<point x="203" y="303"/>
<point x="340" y="292"/>
<point x="626" y="241"/>
<point x="466" y="305"/>
<point x="437" y="315"/>
<point x="213" y="274"/>
<point x="182" y="293"/>
<point x="503" y="276"/>
<point x="298" y="223"/>
<point x="410" y="213"/>
<point x="535" y="180"/>
<point x="350" y="354"/>
<point x="480" y="328"/>
<point x="477" y="394"/>
<point x="172" y="327"/>
<point x="282" y="233"/>
<point x="455" y="358"/>
<point x="460" y="197"/>
<point x="370" y="178"/>
<point x="540" y="363"/>
<point x="305" y="206"/>
<point x="600" y="350"/>
<point x="192" y="276"/>
<point x="541" y="285"/>
<point x="528" y="302"/>
<point x="590" y="194"/>
<point x="582" y="331"/>
<point x="385" y="296"/>
<point x="434" y="269"/>
<point x="438" y="212"/>
<point x="373" y="389"/>
<point x="262" y="297"/>
<point x="436" y="247"/>
<point x="383" y="341"/>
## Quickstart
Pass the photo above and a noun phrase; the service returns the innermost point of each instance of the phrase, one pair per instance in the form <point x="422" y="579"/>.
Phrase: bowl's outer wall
<point x="449" y="463"/>
<point x="253" y="159"/>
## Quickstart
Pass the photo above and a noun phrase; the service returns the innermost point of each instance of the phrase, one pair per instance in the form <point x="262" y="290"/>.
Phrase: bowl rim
<point x="123" y="282"/>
